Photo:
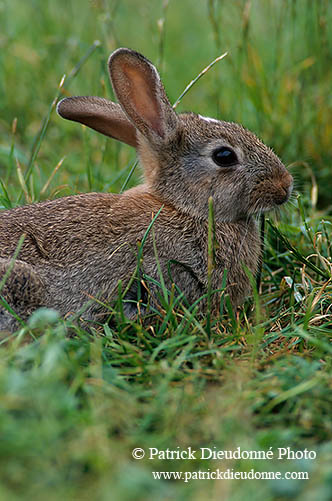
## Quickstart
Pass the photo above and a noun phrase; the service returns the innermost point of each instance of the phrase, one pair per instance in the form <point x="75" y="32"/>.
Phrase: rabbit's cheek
<point x="261" y="197"/>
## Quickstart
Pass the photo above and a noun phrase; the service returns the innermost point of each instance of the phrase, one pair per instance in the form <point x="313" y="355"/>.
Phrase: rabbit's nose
<point x="284" y="189"/>
<point x="287" y="181"/>
<point x="282" y="195"/>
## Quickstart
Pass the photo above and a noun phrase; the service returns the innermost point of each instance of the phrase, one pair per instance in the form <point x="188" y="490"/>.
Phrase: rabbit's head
<point x="186" y="157"/>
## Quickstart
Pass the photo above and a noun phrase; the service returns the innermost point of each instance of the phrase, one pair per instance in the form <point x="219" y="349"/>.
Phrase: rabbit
<point x="77" y="248"/>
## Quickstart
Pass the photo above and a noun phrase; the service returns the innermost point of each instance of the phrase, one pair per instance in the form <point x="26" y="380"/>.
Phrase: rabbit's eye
<point x="224" y="157"/>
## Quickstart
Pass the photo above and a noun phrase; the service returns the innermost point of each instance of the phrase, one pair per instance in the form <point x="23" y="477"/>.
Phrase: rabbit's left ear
<point x="101" y="115"/>
<point x="141" y="94"/>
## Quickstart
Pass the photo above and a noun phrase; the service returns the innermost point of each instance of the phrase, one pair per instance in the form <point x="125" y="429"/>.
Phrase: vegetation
<point x="74" y="403"/>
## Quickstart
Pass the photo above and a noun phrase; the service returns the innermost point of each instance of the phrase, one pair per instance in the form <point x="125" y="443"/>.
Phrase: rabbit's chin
<point x="257" y="211"/>
<point x="272" y="204"/>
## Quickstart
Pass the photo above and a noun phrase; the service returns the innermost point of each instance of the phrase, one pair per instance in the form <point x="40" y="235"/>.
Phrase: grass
<point x="74" y="403"/>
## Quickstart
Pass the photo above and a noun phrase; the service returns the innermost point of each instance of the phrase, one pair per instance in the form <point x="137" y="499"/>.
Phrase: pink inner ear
<point x="144" y="99"/>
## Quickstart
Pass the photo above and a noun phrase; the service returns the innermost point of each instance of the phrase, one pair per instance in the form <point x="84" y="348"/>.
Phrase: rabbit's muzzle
<point x="283" y="189"/>
<point x="269" y="193"/>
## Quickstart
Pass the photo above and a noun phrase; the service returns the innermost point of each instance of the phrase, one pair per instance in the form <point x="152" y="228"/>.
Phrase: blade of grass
<point x="202" y="73"/>
<point x="296" y="253"/>
<point x="210" y="264"/>
<point x="12" y="261"/>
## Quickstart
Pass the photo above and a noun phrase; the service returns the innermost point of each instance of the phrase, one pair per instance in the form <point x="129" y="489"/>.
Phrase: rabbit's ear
<point x="101" y="115"/>
<point x="141" y="94"/>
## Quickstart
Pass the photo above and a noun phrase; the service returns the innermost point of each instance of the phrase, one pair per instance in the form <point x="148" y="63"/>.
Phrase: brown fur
<point x="77" y="248"/>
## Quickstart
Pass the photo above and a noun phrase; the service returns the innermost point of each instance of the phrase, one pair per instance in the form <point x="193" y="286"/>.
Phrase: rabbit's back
<point x="51" y="228"/>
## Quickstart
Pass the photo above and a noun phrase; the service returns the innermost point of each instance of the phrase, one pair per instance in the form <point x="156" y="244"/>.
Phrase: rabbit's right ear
<point x="101" y="115"/>
<point x="138" y="87"/>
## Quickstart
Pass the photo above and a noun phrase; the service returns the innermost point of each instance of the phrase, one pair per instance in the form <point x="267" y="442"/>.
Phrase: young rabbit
<point x="77" y="248"/>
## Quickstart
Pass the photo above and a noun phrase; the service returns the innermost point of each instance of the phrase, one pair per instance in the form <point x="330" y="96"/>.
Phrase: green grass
<point x="74" y="403"/>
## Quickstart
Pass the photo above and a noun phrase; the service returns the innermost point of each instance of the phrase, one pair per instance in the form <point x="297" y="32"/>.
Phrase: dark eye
<point x="224" y="157"/>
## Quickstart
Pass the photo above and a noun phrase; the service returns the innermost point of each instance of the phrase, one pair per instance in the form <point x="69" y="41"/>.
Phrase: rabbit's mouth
<point x="270" y="194"/>
<point x="271" y="202"/>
